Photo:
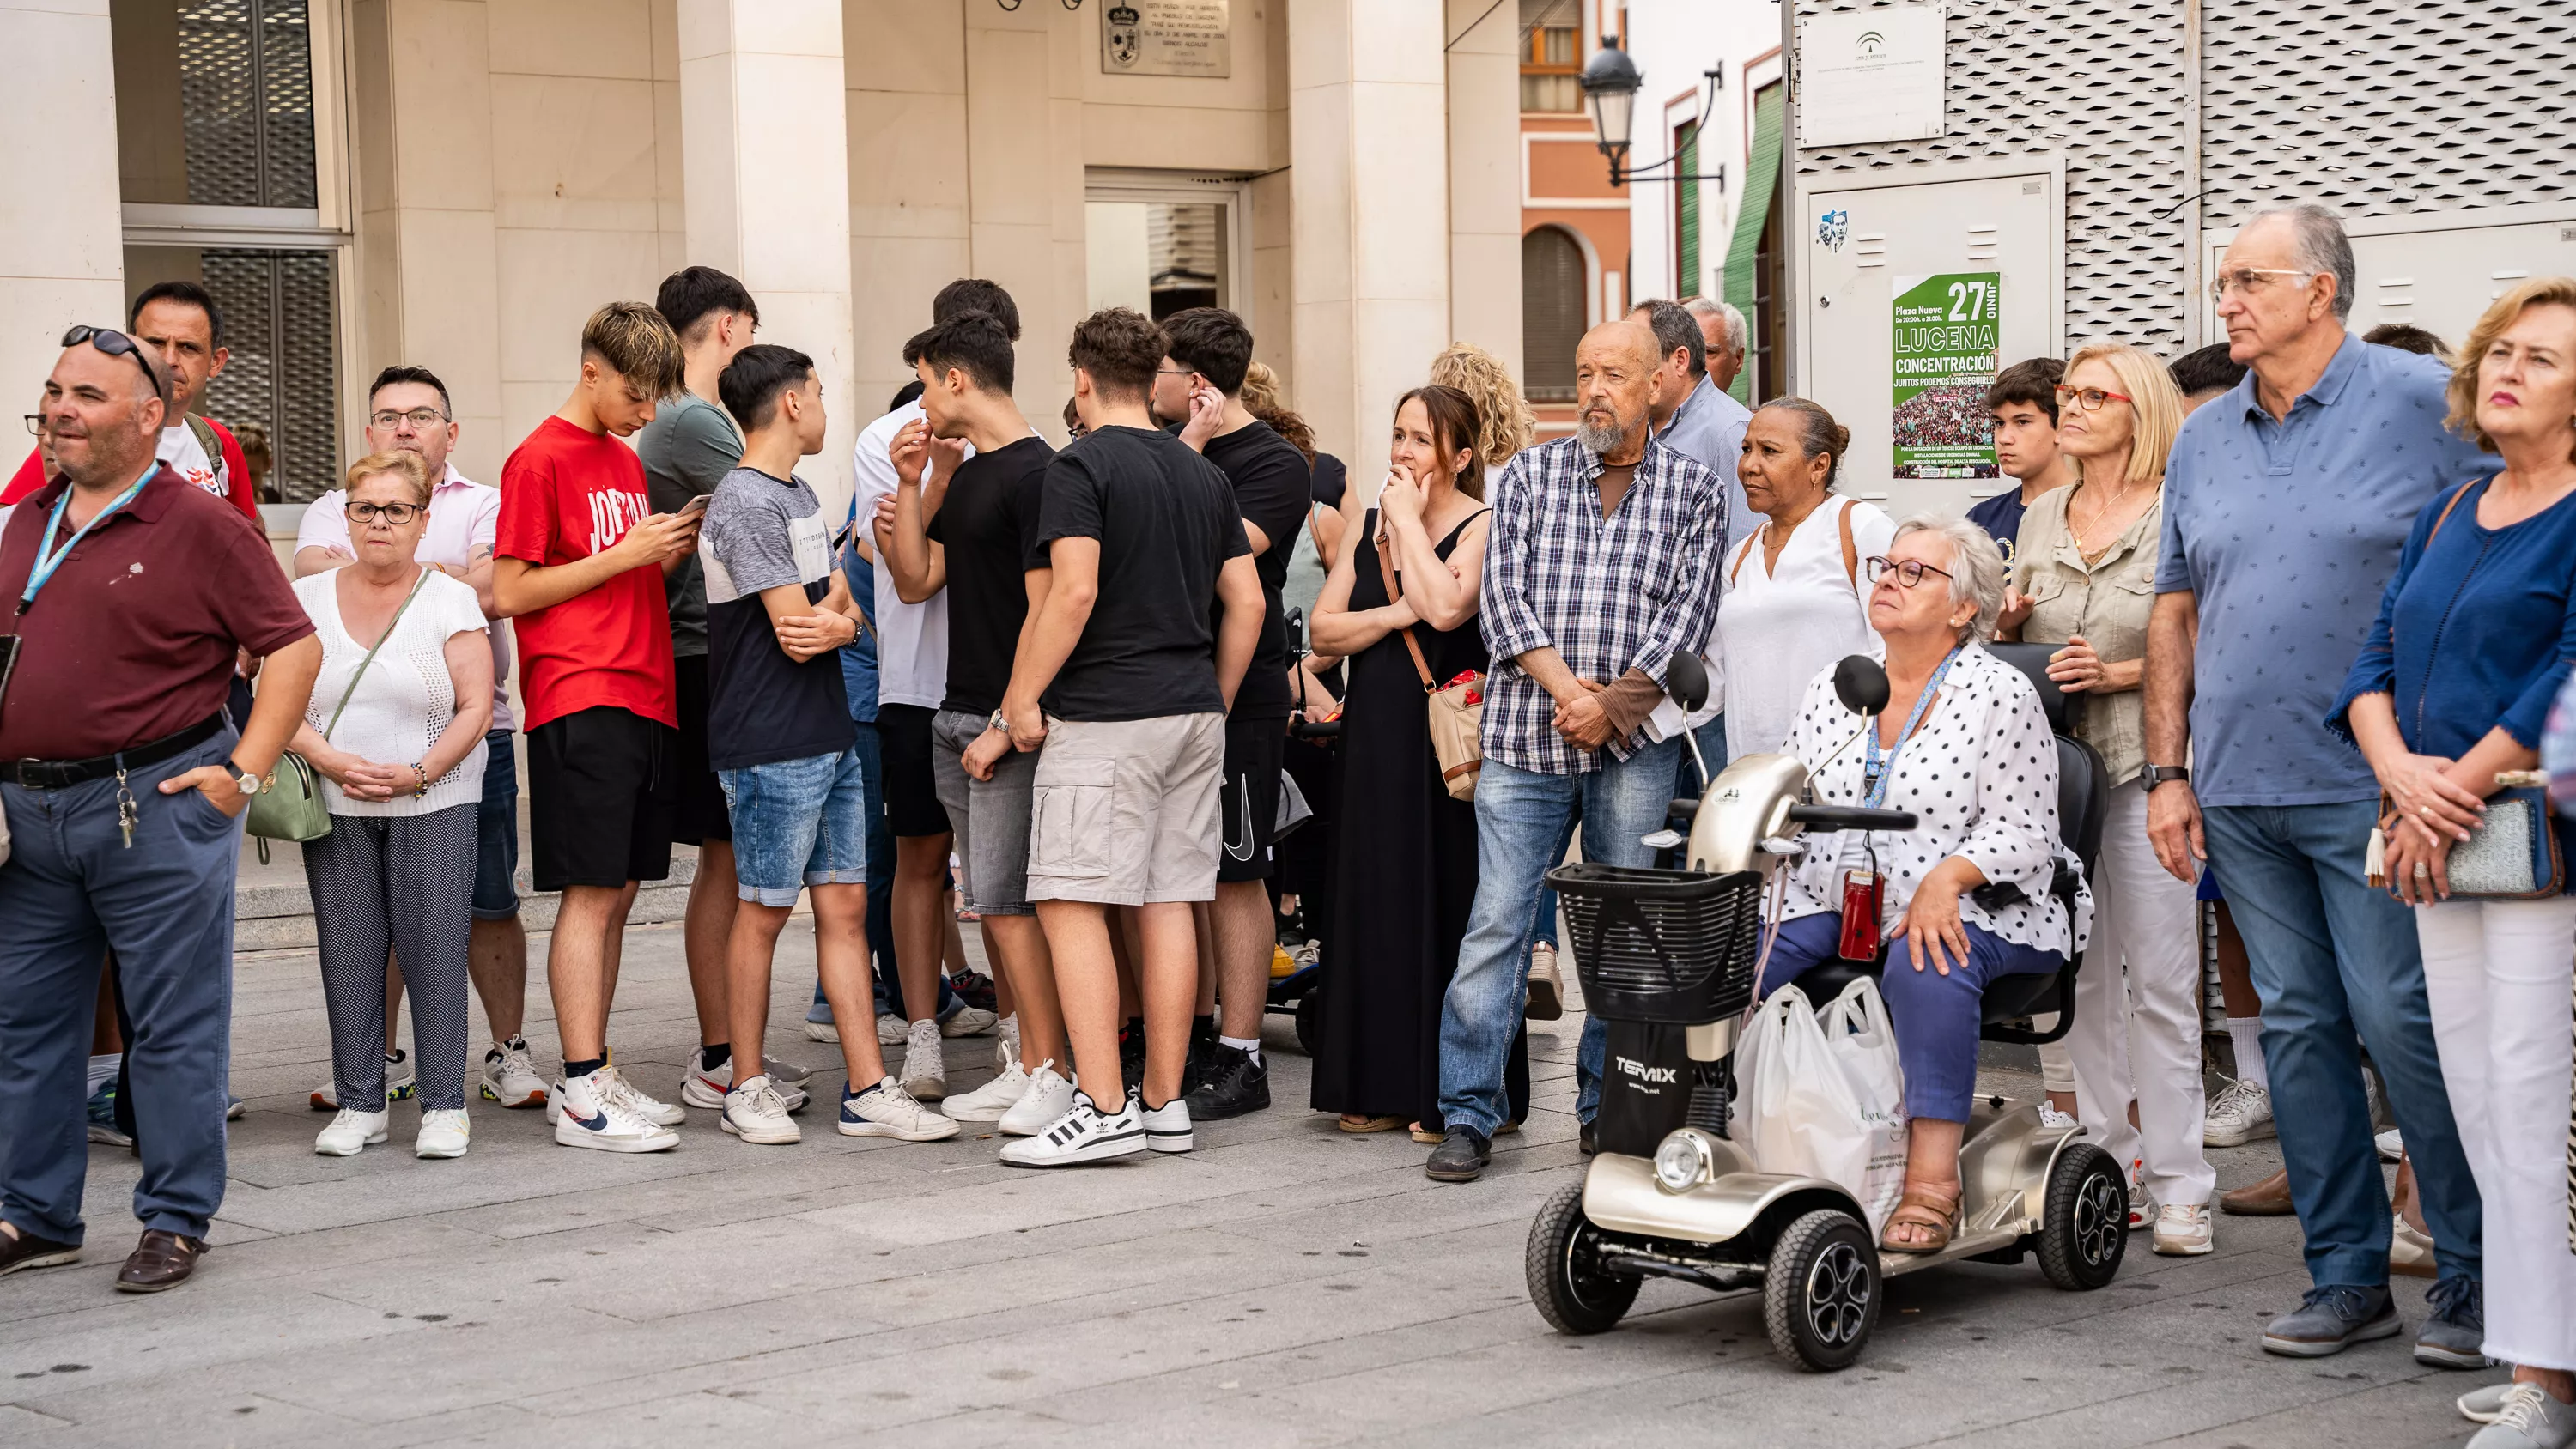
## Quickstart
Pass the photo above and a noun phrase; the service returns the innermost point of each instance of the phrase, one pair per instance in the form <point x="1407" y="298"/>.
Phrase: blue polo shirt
<point x="2288" y="532"/>
<point x="1709" y="426"/>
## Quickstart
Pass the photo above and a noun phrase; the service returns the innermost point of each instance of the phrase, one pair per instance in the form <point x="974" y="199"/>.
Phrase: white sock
<point x="102" y="1070"/>
<point x="1248" y="1045"/>
<point x="2247" y="1033"/>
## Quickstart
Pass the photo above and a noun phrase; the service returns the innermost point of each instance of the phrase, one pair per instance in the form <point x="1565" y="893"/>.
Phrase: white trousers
<point x="2496" y="974"/>
<point x="2136" y="1034"/>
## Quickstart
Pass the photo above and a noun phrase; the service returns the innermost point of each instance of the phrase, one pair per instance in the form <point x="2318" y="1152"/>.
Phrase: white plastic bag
<point x="1863" y="1045"/>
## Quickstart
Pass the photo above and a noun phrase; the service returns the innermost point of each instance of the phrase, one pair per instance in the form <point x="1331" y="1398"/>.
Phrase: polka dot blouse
<point x="1980" y="776"/>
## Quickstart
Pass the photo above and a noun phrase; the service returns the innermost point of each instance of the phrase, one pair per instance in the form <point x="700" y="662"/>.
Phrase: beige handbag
<point x="1457" y="709"/>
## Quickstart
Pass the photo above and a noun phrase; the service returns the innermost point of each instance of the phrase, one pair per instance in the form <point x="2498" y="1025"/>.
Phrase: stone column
<point x="1368" y="126"/>
<point x="1024" y="131"/>
<point x="765" y="150"/>
<point x="906" y="69"/>
<point x="62" y="251"/>
<point x="1485" y="178"/>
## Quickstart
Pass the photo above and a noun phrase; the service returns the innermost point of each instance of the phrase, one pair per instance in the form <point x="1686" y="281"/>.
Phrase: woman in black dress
<point x="1406" y="874"/>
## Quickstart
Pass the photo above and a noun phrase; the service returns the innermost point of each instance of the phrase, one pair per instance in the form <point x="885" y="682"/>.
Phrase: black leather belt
<point x="63" y="774"/>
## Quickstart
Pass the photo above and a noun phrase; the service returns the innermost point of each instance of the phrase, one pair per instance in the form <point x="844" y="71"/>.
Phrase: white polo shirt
<point x="463" y="515"/>
<point x="912" y="639"/>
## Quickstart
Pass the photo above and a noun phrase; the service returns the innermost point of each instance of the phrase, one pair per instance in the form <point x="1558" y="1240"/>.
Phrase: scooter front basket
<point x="1661" y="946"/>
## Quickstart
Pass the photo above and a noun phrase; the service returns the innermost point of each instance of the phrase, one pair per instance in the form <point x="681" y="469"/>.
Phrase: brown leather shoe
<point x="160" y="1262"/>
<point x="2269" y="1198"/>
<point x="26" y="1250"/>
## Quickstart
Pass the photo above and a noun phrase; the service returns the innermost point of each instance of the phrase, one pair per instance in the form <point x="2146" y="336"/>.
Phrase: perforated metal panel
<point x="279" y="322"/>
<point x="2384" y="110"/>
<point x="246" y="95"/>
<point x="2102" y="85"/>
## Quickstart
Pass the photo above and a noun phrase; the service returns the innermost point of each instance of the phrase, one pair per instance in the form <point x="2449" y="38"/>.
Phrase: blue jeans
<point x="2337" y="966"/>
<point x="796" y="823"/>
<point x="1936" y="1017"/>
<point x="1687" y="785"/>
<point x="70" y="893"/>
<point x="1521" y="819"/>
<point x="496" y="831"/>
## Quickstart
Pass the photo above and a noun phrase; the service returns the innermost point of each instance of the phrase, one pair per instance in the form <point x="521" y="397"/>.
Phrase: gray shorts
<point x="990" y="817"/>
<point x="1126" y="811"/>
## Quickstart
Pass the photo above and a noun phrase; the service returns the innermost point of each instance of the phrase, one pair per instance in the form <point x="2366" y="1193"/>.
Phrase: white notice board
<point x="1870" y="75"/>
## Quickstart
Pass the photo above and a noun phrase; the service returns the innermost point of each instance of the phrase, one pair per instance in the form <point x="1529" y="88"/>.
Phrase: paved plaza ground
<point x="1287" y="1284"/>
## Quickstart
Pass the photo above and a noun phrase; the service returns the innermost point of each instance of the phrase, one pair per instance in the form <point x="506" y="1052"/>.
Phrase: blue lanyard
<point x="46" y="563"/>
<point x="1880" y="771"/>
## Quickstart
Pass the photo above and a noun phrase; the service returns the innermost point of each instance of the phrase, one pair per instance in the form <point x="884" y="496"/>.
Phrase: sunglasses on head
<point x="117" y="344"/>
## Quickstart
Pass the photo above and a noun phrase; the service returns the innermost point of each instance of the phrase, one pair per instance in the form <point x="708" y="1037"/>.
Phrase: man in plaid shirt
<point x="1602" y="561"/>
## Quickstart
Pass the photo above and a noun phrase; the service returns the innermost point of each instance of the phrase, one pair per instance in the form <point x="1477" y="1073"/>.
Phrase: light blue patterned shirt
<point x="1709" y="426"/>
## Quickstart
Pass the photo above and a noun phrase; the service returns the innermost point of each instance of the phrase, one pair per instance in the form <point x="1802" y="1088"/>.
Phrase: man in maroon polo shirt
<point x="125" y="596"/>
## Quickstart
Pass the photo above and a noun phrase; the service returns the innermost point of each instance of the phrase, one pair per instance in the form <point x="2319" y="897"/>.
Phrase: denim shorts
<point x="797" y="823"/>
<point x="496" y="820"/>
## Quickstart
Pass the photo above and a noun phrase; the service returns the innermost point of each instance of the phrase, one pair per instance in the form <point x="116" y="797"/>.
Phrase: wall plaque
<point x="1166" y="37"/>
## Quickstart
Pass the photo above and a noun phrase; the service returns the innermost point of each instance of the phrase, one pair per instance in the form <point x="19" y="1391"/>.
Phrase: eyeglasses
<point x="396" y="514"/>
<point x="117" y="344"/>
<point x="2250" y="280"/>
<point x="1174" y="371"/>
<point x="2090" y="399"/>
<point x="422" y="418"/>
<point x="36" y="424"/>
<point x="1908" y="574"/>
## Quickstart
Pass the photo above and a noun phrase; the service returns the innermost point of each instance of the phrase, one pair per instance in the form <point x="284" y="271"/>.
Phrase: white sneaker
<point x="990" y="1101"/>
<point x="591" y="1112"/>
<point x="2528" y="1419"/>
<point x="969" y="1021"/>
<point x="2183" y="1232"/>
<point x="2483" y="1405"/>
<point x="1007" y="1050"/>
<point x="706" y="1090"/>
<point x="891" y="1029"/>
<point x="890" y="1111"/>
<point x="443" y="1133"/>
<point x="755" y="1112"/>
<point x="510" y="1075"/>
<point x="1049" y="1096"/>
<point x="2238" y="1115"/>
<point x="1167" y="1128"/>
<point x="925" y="1071"/>
<point x="660" y="1114"/>
<point x="399" y="1085"/>
<point x="786" y="1073"/>
<point x="2392" y="1146"/>
<point x="2052" y="1120"/>
<point x="2142" y="1203"/>
<point x="822" y="1031"/>
<point x="349" y="1132"/>
<point x="1083" y="1134"/>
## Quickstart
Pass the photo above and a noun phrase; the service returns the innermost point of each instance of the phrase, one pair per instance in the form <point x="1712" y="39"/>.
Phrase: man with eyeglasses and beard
<point x="128" y="594"/>
<point x="408" y="410"/>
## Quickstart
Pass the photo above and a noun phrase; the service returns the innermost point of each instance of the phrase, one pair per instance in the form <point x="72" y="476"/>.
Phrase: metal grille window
<point x="278" y="321"/>
<point x="1553" y="291"/>
<point x="227" y="85"/>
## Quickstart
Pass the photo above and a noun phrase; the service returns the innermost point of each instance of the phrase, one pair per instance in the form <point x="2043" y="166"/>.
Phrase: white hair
<point x="2318" y="242"/>
<point x="1725" y="311"/>
<point x="1976" y="567"/>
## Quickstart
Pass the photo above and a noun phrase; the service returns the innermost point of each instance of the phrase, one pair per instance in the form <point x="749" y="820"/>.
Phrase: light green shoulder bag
<point x="289" y="806"/>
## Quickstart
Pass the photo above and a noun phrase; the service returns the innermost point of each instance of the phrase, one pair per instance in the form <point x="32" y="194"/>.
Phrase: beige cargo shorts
<point x="1125" y="811"/>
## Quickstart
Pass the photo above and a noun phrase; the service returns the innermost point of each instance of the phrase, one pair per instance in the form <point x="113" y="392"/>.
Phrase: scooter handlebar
<point x="1850" y="817"/>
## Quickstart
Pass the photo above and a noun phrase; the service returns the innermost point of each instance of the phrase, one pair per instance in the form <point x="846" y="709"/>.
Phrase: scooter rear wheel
<point x="1563" y="1264"/>
<point x="1310" y="1019"/>
<point x="2086" y="1227"/>
<point x="1821" y="1294"/>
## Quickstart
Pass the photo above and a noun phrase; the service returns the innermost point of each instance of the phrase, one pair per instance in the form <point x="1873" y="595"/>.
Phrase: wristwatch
<point x="248" y="782"/>
<point x="999" y="721"/>
<point x="2156" y="775"/>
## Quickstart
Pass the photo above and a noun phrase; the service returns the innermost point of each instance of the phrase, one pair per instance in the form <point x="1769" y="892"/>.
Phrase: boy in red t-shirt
<point x="578" y="560"/>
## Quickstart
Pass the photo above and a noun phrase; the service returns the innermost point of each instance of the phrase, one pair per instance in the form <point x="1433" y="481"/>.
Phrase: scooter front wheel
<point x="1563" y="1263"/>
<point x="1821" y="1293"/>
<point x="2085" y="1230"/>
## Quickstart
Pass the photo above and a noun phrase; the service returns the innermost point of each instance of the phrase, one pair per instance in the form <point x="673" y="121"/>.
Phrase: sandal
<point x="1935" y="1212"/>
<point x="1354" y="1122"/>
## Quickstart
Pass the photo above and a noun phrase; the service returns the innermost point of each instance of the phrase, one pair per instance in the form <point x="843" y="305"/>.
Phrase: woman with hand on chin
<point x="395" y="728"/>
<point x="2084" y="578"/>
<point x="2472" y="644"/>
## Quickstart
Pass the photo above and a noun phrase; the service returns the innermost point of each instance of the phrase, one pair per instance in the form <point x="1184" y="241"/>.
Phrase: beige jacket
<point x="2108" y="603"/>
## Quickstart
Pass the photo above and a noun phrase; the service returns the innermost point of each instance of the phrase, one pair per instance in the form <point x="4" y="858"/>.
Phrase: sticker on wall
<point x="1833" y="229"/>
<point x="1945" y="333"/>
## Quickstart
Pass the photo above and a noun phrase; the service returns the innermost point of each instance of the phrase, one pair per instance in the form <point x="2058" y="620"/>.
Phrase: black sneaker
<point x="1200" y="1063"/>
<point x="1590" y="1144"/>
<point x="1462" y="1156"/>
<point x="975" y="986"/>
<point x="1131" y="1054"/>
<point x="1232" y="1084"/>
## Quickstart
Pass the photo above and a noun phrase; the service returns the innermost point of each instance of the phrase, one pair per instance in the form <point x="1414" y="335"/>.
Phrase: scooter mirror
<point x="1860" y="684"/>
<point x="1686" y="678"/>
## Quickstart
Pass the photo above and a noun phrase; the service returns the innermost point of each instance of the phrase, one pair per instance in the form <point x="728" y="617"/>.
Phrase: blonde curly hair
<point x="1507" y="422"/>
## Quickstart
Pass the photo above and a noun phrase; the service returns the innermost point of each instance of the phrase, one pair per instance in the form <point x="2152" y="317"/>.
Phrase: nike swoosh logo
<point x="595" y="1124"/>
<point x="1243" y="794"/>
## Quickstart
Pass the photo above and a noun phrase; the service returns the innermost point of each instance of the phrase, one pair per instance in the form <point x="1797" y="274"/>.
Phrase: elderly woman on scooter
<point x="1964" y="745"/>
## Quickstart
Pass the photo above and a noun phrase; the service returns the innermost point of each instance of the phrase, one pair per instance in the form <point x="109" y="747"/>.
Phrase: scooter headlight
<point x="1683" y="1162"/>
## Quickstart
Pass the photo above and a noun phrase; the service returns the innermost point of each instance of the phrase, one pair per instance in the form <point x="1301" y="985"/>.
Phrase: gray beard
<point x="1601" y="437"/>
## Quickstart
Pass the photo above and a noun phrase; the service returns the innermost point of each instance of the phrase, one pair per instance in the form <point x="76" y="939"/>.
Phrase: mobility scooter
<point x="1669" y="959"/>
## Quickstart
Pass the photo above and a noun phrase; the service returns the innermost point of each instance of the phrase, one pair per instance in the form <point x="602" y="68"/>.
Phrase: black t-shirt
<point x="988" y="522"/>
<point x="1166" y="524"/>
<point x="1272" y="487"/>
<point x="1331" y="477"/>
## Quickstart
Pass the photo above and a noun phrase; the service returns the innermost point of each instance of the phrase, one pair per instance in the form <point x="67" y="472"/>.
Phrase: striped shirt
<point x="1609" y="594"/>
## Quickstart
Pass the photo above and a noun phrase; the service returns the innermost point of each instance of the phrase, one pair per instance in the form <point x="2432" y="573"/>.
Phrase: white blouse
<point x="1980" y="775"/>
<point x="1776" y="627"/>
<point x="404" y="701"/>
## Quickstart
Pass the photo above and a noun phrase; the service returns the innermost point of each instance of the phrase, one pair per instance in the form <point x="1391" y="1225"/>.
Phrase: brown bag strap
<point x="1394" y="594"/>
<point x="1851" y="550"/>
<point x="2445" y="516"/>
<point x="1737" y="570"/>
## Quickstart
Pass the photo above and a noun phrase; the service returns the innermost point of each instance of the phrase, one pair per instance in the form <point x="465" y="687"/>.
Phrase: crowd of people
<point x="2312" y="597"/>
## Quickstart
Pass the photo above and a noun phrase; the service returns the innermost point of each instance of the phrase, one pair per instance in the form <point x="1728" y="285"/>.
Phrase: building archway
<point x="1555" y="306"/>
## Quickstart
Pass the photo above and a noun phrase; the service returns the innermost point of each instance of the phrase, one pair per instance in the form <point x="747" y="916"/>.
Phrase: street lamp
<point x="1610" y="81"/>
